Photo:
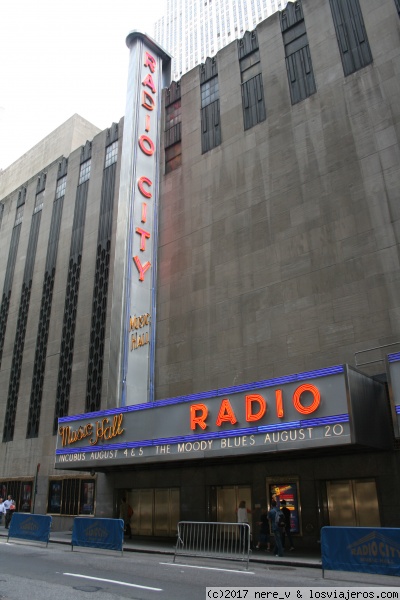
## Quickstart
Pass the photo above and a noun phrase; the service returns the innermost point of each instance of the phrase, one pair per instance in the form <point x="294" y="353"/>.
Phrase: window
<point x="173" y="157"/>
<point x="84" y="174"/>
<point x="209" y="92"/>
<point x="71" y="496"/>
<point x="21" y="491"/>
<point x="111" y="154"/>
<point x="19" y="215"/>
<point x="38" y="202"/>
<point x="298" y="58"/>
<point x="351" y="35"/>
<point x="61" y="185"/>
<point x="210" y="115"/>
<point x="252" y="85"/>
<point x="173" y="136"/>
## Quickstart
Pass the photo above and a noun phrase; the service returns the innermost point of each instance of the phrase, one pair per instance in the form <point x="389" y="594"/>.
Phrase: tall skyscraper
<point x="191" y="30"/>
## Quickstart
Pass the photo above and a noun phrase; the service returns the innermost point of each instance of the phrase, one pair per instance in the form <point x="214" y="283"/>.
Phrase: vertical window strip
<point x="100" y="294"/>
<point x="5" y="303"/>
<point x="352" y="38"/>
<point x="298" y="58"/>
<point x="70" y="307"/>
<point x="44" y="323"/>
<point x="16" y="365"/>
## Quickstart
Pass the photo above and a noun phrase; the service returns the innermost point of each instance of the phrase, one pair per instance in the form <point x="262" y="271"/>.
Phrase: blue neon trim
<point x="209" y="394"/>
<point x="397" y="409"/>
<point x="394" y="357"/>
<point x="291" y="425"/>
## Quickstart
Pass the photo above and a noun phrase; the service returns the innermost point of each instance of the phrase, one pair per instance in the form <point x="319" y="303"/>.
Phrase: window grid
<point x="71" y="496"/>
<point x="209" y="92"/>
<point x="61" y="185"/>
<point x="19" y="215"/>
<point x="111" y="154"/>
<point x="84" y="174"/>
<point x="38" y="202"/>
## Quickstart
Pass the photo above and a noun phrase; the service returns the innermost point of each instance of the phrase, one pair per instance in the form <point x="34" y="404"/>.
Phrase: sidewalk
<point x="297" y="558"/>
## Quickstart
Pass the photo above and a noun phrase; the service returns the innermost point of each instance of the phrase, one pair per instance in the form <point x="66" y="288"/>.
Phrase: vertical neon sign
<point x="133" y="311"/>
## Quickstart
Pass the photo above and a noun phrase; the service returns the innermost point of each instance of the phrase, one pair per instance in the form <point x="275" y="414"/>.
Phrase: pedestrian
<point x="274" y="517"/>
<point x="9" y="506"/>
<point x="286" y="530"/>
<point x="125" y="513"/>
<point x="263" y="539"/>
<point x="2" y="510"/>
<point x="243" y="517"/>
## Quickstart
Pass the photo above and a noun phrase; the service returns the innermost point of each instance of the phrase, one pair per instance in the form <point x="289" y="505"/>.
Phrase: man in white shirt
<point x="2" y="510"/>
<point x="8" y="504"/>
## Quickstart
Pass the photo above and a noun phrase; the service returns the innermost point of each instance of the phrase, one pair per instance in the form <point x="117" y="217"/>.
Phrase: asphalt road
<point x="34" y="572"/>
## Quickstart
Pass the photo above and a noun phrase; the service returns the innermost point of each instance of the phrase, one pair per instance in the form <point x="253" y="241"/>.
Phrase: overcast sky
<point x="62" y="58"/>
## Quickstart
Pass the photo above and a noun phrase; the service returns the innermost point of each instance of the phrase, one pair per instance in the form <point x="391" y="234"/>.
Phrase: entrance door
<point x="155" y="511"/>
<point x="353" y="503"/>
<point x="228" y="498"/>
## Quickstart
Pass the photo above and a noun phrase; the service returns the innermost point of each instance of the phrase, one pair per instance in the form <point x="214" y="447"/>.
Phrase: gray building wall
<point x="20" y="457"/>
<point x="279" y="249"/>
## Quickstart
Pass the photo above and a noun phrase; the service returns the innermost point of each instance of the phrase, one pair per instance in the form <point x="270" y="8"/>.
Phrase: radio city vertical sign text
<point x="133" y="325"/>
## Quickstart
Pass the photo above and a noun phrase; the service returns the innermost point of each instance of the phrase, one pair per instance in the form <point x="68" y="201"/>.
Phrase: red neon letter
<point x="141" y="268"/>
<point x="150" y="62"/>
<point x="150" y="150"/>
<point x="226" y="413"/>
<point x="144" y="212"/>
<point x="143" y="235"/>
<point x="306" y="410"/>
<point x="198" y="419"/>
<point x="141" y="182"/>
<point x="250" y="416"/>
<point x="147" y="100"/>
<point x="279" y="403"/>
<point x="148" y="80"/>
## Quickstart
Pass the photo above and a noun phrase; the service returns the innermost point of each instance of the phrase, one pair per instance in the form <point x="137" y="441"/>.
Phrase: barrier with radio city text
<point x="32" y="528"/>
<point x="104" y="534"/>
<point x="361" y="549"/>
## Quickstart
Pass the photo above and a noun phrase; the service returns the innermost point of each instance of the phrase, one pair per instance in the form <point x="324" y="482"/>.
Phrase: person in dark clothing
<point x="263" y="539"/>
<point x="125" y="513"/>
<point x="286" y="531"/>
<point x="275" y="529"/>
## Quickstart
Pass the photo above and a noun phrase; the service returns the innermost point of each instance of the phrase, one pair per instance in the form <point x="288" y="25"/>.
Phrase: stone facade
<point x="278" y="253"/>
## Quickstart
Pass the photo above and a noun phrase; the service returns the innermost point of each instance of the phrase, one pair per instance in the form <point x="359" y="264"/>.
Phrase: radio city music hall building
<point x="201" y="304"/>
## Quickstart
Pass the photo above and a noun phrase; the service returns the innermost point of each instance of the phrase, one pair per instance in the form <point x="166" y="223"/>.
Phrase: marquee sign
<point x="315" y="409"/>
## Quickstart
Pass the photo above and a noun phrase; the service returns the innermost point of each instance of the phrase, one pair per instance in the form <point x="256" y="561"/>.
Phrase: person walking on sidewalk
<point x="263" y="539"/>
<point x="273" y="516"/>
<point x="2" y="510"/>
<point x="286" y="530"/>
<point x="9" y="505"/>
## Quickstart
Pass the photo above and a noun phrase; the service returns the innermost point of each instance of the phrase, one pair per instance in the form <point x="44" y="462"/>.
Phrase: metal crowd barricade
<point x="230" y="541"/>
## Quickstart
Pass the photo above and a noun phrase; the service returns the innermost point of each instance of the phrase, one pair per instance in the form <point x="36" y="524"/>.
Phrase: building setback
<point x="267" y="360"/>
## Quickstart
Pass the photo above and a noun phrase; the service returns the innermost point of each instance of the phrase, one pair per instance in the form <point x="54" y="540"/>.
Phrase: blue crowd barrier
<point x="361" y="549"/>
<point x="34" y="528"/>
<point x="105" y="534"/>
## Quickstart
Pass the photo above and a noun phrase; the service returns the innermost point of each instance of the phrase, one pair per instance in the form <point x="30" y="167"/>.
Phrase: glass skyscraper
<point x="191" y="30"/>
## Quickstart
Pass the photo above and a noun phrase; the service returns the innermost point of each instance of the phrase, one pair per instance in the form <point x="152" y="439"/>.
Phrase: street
<point x="30" y="571"/>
